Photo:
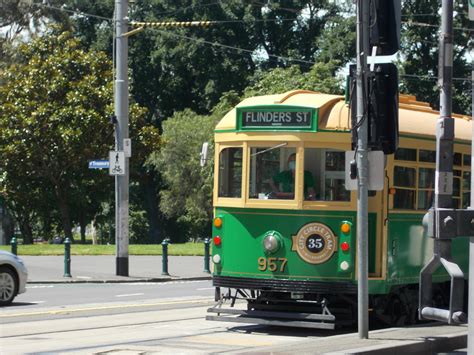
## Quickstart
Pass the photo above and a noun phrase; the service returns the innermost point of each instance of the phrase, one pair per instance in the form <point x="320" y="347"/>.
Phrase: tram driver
<point x="283" y="183"/>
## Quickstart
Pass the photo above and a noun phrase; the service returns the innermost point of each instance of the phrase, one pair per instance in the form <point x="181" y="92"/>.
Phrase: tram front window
<point x="325" y="170"/>
<point x="272" y="173"/>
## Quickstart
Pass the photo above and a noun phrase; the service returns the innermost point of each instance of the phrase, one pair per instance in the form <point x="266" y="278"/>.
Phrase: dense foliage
<point x="55" y="104"/>
<point x="56" y="97"/>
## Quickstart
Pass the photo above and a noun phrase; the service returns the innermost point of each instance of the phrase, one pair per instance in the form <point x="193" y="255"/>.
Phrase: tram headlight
<point x="344" y="266"/>
<point x="216" y="259"/>
<point x="271" y="242"/>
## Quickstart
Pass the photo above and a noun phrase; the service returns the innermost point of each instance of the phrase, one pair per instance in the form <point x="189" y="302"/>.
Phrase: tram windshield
<point x="326" y="167"/>
<point x="272" y="173"/>
<point x="273" y="170"/>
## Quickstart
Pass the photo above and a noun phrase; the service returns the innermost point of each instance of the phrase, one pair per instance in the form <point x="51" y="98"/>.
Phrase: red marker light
<point x="217" y="240"/>
<point x="345" y="246"/>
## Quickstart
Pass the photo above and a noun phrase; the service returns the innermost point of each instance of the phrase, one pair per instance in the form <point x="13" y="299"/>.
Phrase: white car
<point x="13" y="275"/>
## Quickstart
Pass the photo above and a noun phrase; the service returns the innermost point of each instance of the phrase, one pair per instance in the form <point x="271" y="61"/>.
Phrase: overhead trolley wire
<point x="75" y="12"/>
<point x="216" y="44"/>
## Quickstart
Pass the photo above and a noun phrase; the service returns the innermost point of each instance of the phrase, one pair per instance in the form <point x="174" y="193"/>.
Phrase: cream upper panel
<point x="297" y="98"/>
<point x="414" y="117"/>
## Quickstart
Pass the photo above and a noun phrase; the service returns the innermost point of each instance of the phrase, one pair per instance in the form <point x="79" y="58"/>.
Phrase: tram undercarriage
<point x="317" y="310"/>
<point x="290" y="309"/>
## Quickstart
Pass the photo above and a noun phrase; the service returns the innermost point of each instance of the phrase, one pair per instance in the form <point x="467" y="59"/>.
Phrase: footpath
<point x="432" y="338"/>
<point x="101" y="269"/>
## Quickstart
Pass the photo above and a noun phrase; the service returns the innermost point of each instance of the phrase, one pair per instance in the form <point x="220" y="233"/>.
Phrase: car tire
<point x="8" y="286"/>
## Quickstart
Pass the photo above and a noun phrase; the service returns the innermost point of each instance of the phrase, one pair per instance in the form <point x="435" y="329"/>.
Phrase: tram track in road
<point x="184" y="329"/>
<point x="96" y="328"/>
<point x="122" y="307"/>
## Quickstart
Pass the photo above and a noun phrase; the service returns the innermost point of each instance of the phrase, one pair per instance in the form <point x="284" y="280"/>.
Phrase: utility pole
<point x="470" y="339"/>
<point x="362" y="168"/>
<point x="442" y="221"/>
<point x="470" y="334"/>
<point x="121" y="132"/>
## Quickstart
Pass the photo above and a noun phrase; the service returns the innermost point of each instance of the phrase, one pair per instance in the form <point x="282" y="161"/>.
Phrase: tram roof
<point x="415" y="117"/>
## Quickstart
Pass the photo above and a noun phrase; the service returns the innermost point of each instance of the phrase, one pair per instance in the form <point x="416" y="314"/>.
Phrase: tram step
<point x="288" y="319"/>
<point x="267" y="321"/>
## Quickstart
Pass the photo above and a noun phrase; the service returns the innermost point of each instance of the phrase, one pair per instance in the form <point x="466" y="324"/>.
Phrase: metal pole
<point x="362" y="166"/>
<point x="164" y="259"/>
<point x="121" y="112"/>
<point x="14" y="246"/>
<point x="445" y="124"/>
<point x="470" y="334"/>
<point x="207" y="243"/>
<point x="67" y="258"/>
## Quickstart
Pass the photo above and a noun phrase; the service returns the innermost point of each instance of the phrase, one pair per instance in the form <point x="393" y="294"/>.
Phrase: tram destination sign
<point x="285" y="118"/>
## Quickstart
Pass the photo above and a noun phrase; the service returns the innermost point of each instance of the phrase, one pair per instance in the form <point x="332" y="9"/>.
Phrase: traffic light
<point x="382" y="104"/>
<point x="384" y="24"/>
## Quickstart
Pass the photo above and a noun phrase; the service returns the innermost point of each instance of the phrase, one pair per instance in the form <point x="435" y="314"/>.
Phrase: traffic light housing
<point x="385" y="20"/>
<point x="382" y="103"/>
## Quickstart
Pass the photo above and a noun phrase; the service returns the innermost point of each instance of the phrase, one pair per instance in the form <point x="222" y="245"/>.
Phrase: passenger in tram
<point x="283" y="183"/>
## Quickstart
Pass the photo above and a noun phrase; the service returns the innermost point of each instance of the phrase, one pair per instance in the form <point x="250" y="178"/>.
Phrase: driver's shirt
<point x="286" y="181"/>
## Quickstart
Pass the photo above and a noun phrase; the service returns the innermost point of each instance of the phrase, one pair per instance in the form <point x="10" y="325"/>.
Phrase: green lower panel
<point x="242" y="252"/>
<point x="409" y="250"/>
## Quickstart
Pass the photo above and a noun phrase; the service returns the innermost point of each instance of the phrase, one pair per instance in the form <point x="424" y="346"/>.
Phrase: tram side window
<point x="405" y="188"/>
<point x="466" y="189"/>
<point x="405" y="154"/>
<point x="457" y="188"/>
<point x="272" y="173"/>
<point x="325" y="171"/>
<point x="230" y="172"/>
<point x="467" y="160"/>
<point x="426" y="178"/>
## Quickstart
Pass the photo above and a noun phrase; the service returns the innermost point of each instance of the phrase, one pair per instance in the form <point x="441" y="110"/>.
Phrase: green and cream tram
<point x="284" y="233"/>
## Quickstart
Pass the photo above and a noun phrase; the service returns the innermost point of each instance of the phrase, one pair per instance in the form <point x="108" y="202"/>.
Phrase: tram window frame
<point x="423" y="193"/>
<point x="425" y="188"/>
<point x="405" y="195"/>
<point x="237" y="185"/>
<point x="466" y="181"/>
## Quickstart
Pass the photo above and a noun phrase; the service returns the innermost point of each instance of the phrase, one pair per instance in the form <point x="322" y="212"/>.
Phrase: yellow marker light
<point x="345" y="228"/>
<point x="217" y="222"/>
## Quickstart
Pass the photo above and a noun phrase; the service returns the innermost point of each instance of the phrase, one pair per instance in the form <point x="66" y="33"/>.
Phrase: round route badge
<point x="315" y="243"/>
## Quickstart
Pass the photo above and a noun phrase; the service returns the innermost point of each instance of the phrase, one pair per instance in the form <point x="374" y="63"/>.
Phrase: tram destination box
<point x="281" y="118"/>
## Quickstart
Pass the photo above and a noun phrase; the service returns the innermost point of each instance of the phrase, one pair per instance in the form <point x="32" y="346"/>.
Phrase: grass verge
<point x="189" y="249"/>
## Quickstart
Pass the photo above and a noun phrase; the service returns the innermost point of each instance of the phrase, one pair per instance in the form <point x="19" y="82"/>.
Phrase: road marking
<point x="205" y="289"/>
<point x="40" y="286"/>
<point x="66" y="311"/>
<point x="130" y="294"/>
<point x="37" y="302"/>
<point x="84" y="277"/>
<point x="167" y="283"/>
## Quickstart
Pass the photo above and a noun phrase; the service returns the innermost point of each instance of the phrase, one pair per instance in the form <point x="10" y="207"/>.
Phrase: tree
<point x="420" y="48"/>
<point x="54" y="110"/>
<point x="187" y="193"/>
<point x="319" y="78"/>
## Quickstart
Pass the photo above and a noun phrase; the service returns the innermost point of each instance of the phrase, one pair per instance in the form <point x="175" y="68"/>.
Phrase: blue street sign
<point x="98" y="164"/>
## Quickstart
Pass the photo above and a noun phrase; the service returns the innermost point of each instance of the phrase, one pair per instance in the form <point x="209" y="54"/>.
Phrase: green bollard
<point x="67" y="258"/>
<point x="14" y="246"/>
<point x="164" y="244"/>
<point x="207" y="243"/>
